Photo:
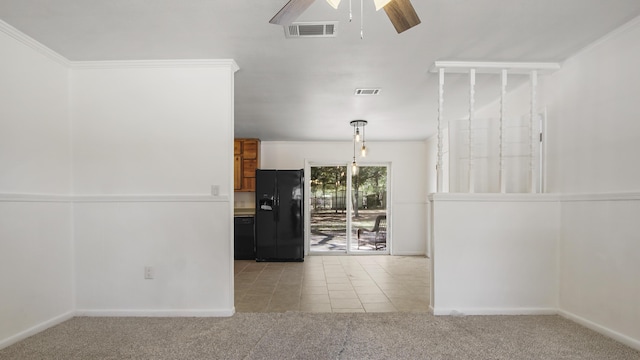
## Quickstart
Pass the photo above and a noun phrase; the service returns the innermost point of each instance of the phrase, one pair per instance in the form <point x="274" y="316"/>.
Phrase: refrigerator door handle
<point x="275" y="203"/>
<point x="277" y="206"/>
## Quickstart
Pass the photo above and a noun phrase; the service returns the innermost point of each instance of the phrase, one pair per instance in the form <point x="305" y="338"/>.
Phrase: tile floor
<point x="334" y="284"/>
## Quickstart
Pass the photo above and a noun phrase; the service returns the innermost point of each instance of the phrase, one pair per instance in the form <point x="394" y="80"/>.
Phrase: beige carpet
<point x="295" y="335"/>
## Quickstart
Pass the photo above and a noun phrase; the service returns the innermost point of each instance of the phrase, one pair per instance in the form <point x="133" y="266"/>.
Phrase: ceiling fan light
<point x="334" y="3"/>
<point x="379" y="3"/>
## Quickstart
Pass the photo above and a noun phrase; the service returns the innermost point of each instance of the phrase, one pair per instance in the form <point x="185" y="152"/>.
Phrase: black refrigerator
<point x="279" y="217"/>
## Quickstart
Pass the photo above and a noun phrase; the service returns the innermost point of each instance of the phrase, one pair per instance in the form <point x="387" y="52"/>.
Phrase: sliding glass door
<point x="348" y="212"/>
<point x="328" y="208"/>
<point x="369" y="210"/>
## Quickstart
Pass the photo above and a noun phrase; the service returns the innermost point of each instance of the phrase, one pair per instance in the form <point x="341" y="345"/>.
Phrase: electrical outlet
<point x="215" y="190"/>
<point x="148" y="272"/>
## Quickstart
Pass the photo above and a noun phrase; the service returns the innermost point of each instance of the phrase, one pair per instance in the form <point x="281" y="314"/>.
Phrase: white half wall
<point x="149" y="137"/>
<point x="600" y="264"/>
<point x="36" y="265"/>
<point x="407" y="178"/>
<point x="181" y="239"/>
<point x="36" y="248"/>
<point x="495" y="254"/>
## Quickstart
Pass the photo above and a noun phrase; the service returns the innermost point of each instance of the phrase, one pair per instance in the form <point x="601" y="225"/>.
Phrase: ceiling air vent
<point x="311" y="29"/>
<point x="367" y="91"/>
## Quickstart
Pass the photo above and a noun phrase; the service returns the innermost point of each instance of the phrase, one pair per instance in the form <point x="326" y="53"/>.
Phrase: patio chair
<point x="380" y="230"/>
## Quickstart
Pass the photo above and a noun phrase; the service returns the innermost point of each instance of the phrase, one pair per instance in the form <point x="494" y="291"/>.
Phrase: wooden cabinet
<point x="246" y="159"/>
<point x="237" y="174"/>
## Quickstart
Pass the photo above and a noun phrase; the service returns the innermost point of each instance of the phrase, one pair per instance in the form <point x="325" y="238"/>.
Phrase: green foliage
<point x="369" y="183"/>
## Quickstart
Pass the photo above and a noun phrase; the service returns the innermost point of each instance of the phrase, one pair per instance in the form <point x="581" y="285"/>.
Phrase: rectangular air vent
<point x="311" y="29"/>
<point x="367" y="91"/>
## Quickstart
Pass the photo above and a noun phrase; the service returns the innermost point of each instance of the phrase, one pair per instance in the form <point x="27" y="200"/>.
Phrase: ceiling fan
<point x="400" y="12"/>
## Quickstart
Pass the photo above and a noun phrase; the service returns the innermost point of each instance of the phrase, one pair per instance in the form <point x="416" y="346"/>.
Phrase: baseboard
<point x="408" y="253"/>
<point x="156" y="313"/>
<point x="631" y="342"/>
<point x="36" y="329"/>
<point x="493" y="311"/>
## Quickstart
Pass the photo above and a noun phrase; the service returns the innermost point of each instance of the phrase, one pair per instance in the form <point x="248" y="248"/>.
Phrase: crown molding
<point x="33" y="44"/>
<point x="628" y="26"/>
<point x="137" y="64"/>
<point x="115" y="64"/>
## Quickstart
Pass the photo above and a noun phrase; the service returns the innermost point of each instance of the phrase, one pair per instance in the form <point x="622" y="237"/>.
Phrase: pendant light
<point x="379" y="4"/>
<point x="357" y="124"/>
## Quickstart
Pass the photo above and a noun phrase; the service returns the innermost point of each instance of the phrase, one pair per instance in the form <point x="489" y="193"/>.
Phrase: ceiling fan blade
<point x="402" y="15"/>
<point x="290" y="12"/>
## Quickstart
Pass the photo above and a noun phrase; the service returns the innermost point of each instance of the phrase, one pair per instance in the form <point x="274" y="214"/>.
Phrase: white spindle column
<point x="532" y="117"/>
<point x="439" y="168"/>
<point x="472" y="94"/>
<point x="503" y="95"/>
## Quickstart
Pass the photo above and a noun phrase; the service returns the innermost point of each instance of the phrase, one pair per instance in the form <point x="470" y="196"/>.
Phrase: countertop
<point x="244" y="212"/>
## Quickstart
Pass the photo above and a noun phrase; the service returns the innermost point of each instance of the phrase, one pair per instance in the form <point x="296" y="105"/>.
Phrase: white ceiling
<point x="302" y="89"/>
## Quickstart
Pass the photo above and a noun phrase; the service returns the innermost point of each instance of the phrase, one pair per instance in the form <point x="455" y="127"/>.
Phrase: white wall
<point x="36" y="250"/>
<point x="35" y="151"/>
<point x="408" y="180"/>
<point x="186" y="242"/>
<point x="600" y="265"/>
<point x="144" y="136"/>
<point x="495" y="254"/>
<point x="595" y="144"/>
<point x="593" y="138"/>
<point x="151" y="130"/>
<point x="431" y="161"/>
<point x="597" y="135"/>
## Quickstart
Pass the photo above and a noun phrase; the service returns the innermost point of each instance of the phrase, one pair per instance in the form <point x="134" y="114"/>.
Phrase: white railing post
<point x="503" y="95"/>
<point x="472" y="93"/>
<point x="534" y="88"/>
<point x="439" y="168"/>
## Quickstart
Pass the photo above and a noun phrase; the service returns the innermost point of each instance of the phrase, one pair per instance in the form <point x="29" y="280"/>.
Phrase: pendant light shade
<point x="334" y="3"/>
<point x="379" y="3"/>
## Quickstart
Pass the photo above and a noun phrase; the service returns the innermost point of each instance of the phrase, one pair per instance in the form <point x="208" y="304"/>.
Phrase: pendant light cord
<point x="361" y="20"/>
<point x="350" y="11"/>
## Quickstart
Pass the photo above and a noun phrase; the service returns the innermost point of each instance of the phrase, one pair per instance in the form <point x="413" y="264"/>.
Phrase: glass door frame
<point x="349" y="207"/>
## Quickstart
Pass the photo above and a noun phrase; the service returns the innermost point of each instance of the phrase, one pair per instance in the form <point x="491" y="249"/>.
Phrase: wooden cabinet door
<point x="246" y="159"/>
<point x="249" y="174"/>
<point x="250" y="149"/>
<point x="249" y="167"/>
<point x="249" y="184"/>
<point x="237" y="172"/>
